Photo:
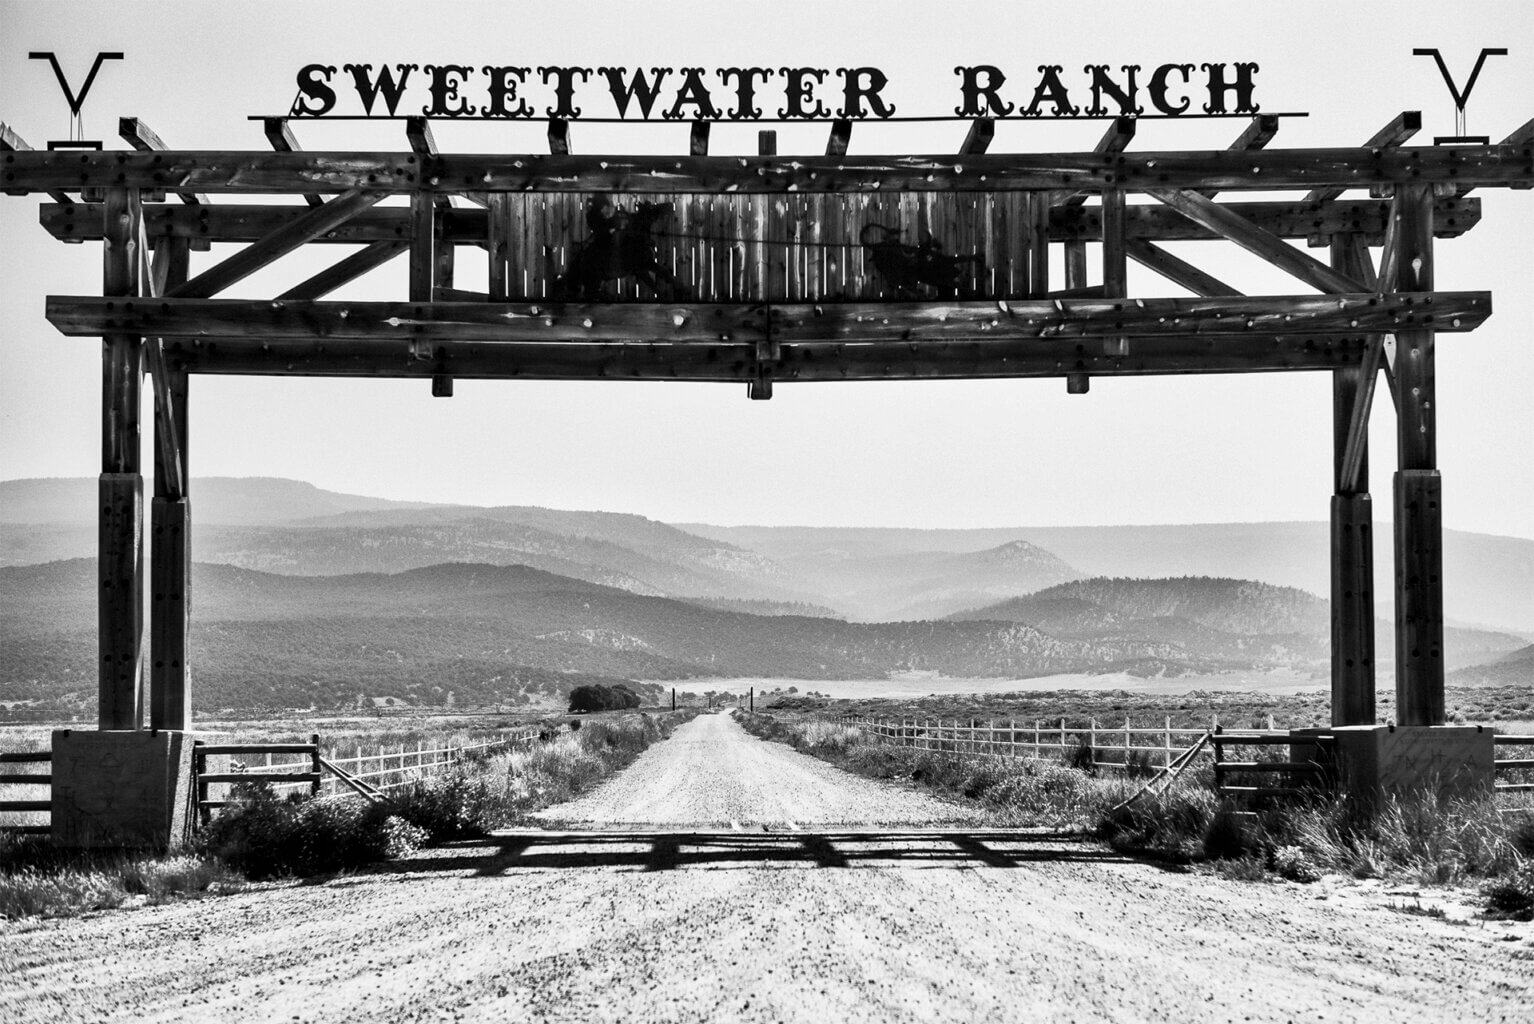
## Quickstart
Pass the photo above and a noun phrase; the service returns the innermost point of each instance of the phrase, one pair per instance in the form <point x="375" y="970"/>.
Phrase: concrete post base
<point x="122" y="789"/>
<point x="1374" y="761"/>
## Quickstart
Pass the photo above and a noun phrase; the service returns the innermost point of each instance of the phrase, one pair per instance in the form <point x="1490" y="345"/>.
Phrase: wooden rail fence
<point x="39" y="786"/>
<point x="1514" y="773"/>
<point x="1126" y="747"/>
<point x="302" y="766"/>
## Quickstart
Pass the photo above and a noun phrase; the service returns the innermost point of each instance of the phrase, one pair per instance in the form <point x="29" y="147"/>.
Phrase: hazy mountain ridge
<point x="486" y="632"/>
<point x="1488" y="580"/>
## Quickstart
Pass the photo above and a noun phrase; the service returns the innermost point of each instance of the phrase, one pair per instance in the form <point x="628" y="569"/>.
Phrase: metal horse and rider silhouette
<point x="622" y="244"/>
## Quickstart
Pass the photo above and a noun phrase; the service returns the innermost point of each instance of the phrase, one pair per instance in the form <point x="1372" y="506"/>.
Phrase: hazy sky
<point x="1252" y="447"/>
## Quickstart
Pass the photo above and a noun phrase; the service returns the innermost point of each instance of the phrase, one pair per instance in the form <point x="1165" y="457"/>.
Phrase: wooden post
<point x="170" y="533"/>
<point x="1352" y="541"/>
<point x="314" y="764"/>
<point x="1115" y="256"/>
<point x="1418" y="497"/>
<point x="120" y="559"/>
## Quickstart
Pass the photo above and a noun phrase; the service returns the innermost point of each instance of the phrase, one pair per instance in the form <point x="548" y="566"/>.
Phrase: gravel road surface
<point x="712" y="772"/>
<point x="867" y="923"/>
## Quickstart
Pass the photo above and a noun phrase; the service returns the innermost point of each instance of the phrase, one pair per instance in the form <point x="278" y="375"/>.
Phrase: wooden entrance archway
<point x="774" y="274"/>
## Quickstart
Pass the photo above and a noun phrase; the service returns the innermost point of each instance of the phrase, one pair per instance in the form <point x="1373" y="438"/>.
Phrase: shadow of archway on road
<point x="644" y="850"/>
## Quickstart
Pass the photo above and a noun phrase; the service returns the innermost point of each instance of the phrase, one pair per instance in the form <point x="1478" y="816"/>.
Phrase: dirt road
<point x="883" y="923"/>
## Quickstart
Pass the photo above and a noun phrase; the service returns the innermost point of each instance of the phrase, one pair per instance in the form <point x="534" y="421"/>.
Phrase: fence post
<point x="1127" y="744"/>
<point x="1168" y="744"/>
<point x="199" y="767"/>
<point x="1036" y="738"/>
<point x="314" y="764"/>
<point x="1062" y="735"/>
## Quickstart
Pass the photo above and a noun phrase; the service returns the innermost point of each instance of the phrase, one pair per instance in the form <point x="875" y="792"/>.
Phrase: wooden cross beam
<point x="141" y="137"/>
<point x="908" y="323"/>
<point x="307" y="227"/>
<point x="978" y="139"/>
<point x="1406" y="124"/>
<point x="1254" y="239"/>
<point x="1258" y="133"/>
<point x="10" y="142"/>
<point x="1120" y="133"/>
<point x="1267" y="170"/>
<point x="280" y="135"/>
<point x="841" y="135"/>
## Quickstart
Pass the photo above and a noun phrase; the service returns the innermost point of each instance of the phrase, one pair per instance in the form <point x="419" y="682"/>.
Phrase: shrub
<point x="265" y="837"/>
<point x="1512" y="897"/>
<point x="596" y="697"/>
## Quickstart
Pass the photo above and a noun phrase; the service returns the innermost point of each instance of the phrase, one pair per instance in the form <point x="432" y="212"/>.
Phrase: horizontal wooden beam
<point x="911" y="323"/>
<point x="11" y="142"/>
<point x="280" y="135"/>
<point x="231" y="222"/>
<point x="736" y="362"/>
<point x="253" y="172"/>
<point x="145" y="139"/>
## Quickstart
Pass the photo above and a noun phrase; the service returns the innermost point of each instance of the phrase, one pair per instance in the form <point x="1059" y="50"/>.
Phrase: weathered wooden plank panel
<point x="251" y="172"/>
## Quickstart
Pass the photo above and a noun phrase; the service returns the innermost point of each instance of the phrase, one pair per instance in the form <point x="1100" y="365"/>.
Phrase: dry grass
<point x="38" y="881"/>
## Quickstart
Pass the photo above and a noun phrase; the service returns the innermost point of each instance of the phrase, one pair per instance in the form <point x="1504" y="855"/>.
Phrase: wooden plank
<point x="280" y="135"/>
<point x="141" y="137"/>
<point x="308" y="226"/>
<point x="25" y="757"/>
<point x="1257" y="241"/>
<point x="499" y="224"/>
<point x="255" y="748"/>
<point x="697" y="138"/>
<point x="1267" y="170"/>
<point x="240" y="222"/>
<point x="349" y="269"/>
<point x="735" y="361"/>
<point x="1406" y="124"/>
<point x="1179" y="272"/>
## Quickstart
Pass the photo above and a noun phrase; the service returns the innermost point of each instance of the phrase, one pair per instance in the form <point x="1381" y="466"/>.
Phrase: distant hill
<point x="1488" y="580"/>
<point x="1514" y="668"/>
<point x="1236" y="620"/>
<point x="927" y="584"/>
<point x="289" y="527"/>
<point x="490" y="633"/>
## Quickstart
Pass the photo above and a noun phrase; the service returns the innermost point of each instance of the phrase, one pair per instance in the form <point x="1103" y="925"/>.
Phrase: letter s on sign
<point x="310" y="85"/>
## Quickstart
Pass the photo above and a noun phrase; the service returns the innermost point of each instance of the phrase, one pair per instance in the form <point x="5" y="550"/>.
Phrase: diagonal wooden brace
<point x="1151" y="255"/>
<point x="1211" y="215"/>
<point x="279" y="243"/>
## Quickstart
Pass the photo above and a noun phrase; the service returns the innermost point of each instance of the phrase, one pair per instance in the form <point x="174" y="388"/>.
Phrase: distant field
<point x="923" y="684"/>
